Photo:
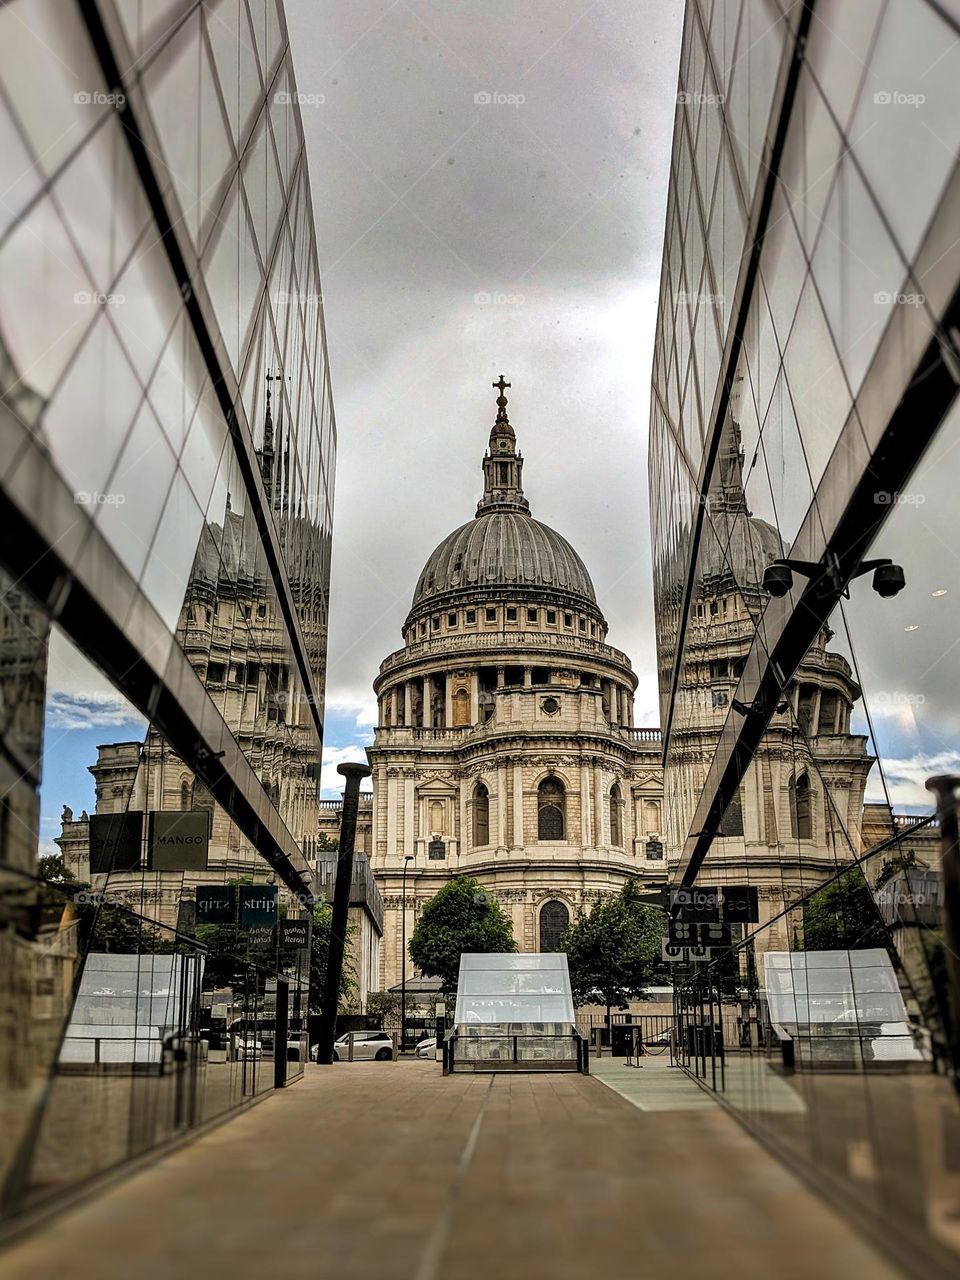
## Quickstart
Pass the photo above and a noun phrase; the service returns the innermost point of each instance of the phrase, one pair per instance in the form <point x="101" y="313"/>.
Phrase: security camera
<point x="888" y="580"/>
<point x="777" y="578"/>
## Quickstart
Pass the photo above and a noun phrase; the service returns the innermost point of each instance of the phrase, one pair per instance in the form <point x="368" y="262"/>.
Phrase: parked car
<point x="426" y="1048"/>
<point x="367" y="1045"/>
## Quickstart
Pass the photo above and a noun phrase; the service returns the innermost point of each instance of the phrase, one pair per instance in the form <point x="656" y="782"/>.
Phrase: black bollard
<point x="341" y="908"/>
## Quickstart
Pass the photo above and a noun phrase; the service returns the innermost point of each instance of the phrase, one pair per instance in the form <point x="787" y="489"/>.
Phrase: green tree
<point x="614" y="949"/>
<point x="843" y="916"/>
<point x="384" y="1003"/>
<point x="890" y="867"/>
<point x="459" y="917"/>
<point x="103" y="926"/>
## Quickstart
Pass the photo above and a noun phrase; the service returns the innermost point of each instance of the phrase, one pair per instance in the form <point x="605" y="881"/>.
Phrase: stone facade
<point x="505" y="746"/>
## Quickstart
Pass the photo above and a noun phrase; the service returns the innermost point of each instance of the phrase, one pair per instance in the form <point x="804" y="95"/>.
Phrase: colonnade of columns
<point x="414" y="702"/>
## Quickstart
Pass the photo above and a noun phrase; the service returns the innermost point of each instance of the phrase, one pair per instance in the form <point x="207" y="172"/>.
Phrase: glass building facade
<point x="167" y="453"/>
<point x="804" y="407"/>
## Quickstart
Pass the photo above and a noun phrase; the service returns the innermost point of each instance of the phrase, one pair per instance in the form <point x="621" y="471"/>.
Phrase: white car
<point x="367" y="1045"/>
<point x="427" y="1047"/>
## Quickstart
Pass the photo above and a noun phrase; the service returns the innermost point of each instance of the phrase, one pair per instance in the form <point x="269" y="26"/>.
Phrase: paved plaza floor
<point x="388" y="1171"/>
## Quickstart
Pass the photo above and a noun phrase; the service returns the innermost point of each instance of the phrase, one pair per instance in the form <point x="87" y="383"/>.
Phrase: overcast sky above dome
<point x="459" y="238"/>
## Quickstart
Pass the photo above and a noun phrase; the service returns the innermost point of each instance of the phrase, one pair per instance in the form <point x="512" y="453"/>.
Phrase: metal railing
<point x="514" y="1058"/>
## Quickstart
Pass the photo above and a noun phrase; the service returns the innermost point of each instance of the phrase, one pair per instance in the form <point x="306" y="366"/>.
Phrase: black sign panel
<point x="294" y="933"/>
<point x="216" y="904"/>
<point x="258" y="904"/>
<point x="688" y="933"/>
<point x="261" y="936"/>
<point x="683" y="933"/>
<point x="715" y="935"/>
<point x="116" y="842"/>
<point x="698" y="904"/>
<point x="740" y="904"/>
<point x="436" y="850"/>
<point x="654" y="849"/>
<point x="178" y="840"/>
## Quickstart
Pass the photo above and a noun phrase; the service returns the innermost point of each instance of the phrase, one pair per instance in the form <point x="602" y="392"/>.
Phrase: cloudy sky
<point x="489" y="182"/>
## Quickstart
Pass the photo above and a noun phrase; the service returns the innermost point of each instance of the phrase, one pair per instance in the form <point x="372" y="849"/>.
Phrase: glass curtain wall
<point x="167" y="451"/>
<point x="804" y="408"/>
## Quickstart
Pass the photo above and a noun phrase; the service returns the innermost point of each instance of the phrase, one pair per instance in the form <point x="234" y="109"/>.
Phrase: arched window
<point x="481" y="816"/>
<point x="554" y="923"/>
<point x="801" y="812"/>
<point x="651" y="817"/>
<point x="186" y="794"/>
<point x="616" y="821"/>
<point x="550" y="809"/>
<point x="461" y="708"/>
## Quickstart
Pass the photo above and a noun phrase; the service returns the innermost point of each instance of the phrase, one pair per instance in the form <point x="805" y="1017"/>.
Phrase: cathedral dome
<point x="503" y="549"/>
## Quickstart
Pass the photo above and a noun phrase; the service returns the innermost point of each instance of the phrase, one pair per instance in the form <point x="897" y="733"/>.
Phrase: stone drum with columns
<point x="505" y="746"/>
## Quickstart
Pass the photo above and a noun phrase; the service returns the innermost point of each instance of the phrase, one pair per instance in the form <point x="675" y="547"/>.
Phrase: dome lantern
<point x="502" y="464"/>
<point x="504" y="548"/>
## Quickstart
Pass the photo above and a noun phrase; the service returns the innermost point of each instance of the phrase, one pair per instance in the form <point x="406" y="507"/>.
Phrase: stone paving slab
<point x="366" y="1171"/>
<point x="654" y="1086"/>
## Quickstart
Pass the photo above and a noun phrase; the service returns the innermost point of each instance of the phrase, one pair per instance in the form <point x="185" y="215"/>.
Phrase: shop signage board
<point x="673" y="954"/>
<point x="258" y="905"/>
<point x="696" y="903"/>
<point x="741" y="904"/>
<point x="178" y="841"/>
<point x="294" y="933"/>
<point x="116" y="841"/>
<point x="216" y="904"/>
<point x="685" y="933"/>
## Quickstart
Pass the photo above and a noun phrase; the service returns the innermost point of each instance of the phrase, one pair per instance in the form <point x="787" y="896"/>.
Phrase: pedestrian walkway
<point x="366" y="1171"/>
<point x="653" y="1086"/>
<point x="657" y="1086"/>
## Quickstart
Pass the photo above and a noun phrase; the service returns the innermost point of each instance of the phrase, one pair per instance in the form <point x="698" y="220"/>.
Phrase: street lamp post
<point x="408" y="858"/>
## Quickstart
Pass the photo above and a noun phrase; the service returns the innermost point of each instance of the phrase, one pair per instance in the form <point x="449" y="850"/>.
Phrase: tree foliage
<point x="103" y="925"/>
<point x="460" y="917"/>
<point x="384" y="1003"/>
<point x="843" y="916"/>
<point x="890" y="867"/>
<point x="613" y="949"/>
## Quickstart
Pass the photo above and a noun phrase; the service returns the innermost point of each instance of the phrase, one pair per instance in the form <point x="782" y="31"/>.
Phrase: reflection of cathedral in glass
<point x="800" y="805"/>
<point x="231" y="630"/>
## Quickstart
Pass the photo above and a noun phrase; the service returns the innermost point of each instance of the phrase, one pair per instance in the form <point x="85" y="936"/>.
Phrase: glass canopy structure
<point x="514" y="1013"/>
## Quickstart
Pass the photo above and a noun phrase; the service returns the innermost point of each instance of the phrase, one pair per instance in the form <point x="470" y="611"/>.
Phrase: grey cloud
<point x="557" y="205"/>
